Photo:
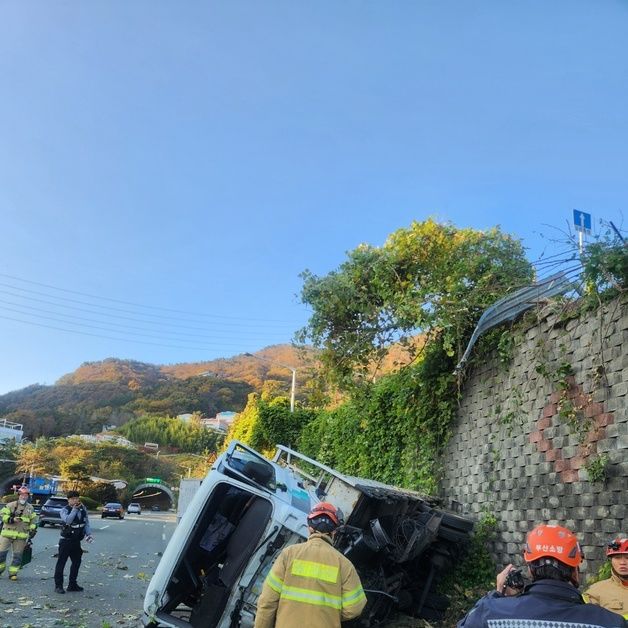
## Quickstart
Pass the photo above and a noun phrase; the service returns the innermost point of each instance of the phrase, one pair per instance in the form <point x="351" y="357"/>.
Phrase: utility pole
<point x="293" y="386"/>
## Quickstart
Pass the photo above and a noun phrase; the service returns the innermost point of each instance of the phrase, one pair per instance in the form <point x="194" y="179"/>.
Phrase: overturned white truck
<point x="248" y="508"/>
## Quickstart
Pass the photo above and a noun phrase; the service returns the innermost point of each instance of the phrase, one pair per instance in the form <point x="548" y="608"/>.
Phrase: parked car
<point x="155" y="508"/>
<point x="249" y="508"/>
<point x="134" y="508"/>
<point x="50" y="513"/>
<point x="112" y="509"/>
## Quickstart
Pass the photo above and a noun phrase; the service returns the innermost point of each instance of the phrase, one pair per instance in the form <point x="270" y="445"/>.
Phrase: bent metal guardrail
<point x="511" y="306"/>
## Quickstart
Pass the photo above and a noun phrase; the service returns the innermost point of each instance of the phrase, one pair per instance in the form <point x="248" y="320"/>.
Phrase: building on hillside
<point x="116" y="439"/>
<point x="221" y="422"/>
<point x="186" y="417"/>
<point x="10" y="430"/>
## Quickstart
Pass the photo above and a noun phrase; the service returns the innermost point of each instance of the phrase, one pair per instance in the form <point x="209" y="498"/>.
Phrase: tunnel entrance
<point x="153" y="497"/>
<point x="7" y="483"/>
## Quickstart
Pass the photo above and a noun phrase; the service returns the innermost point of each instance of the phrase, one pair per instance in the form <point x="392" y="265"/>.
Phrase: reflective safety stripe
<point x="276" y="584"/>
<point x="307" y="596"/>
<point x="319" y="571"/>
<point x="353" y="597"/>
<point x="13" y="534"/>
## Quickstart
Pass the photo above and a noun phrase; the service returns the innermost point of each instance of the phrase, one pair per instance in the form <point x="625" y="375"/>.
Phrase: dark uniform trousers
<point x="68" y="548"/>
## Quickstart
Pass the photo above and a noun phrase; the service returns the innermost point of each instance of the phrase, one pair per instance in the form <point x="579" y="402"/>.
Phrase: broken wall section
<point x="542" y="433"/>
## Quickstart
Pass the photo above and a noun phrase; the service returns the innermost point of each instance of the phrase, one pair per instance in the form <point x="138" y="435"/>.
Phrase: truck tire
<point x="455" y="536"/>
<point x="450" y="520"/>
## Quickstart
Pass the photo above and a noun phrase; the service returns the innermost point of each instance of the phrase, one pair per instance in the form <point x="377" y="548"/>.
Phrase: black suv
<point x="51" y="511"/>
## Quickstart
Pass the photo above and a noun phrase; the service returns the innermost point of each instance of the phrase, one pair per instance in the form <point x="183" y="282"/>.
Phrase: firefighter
<point x="553" y="556"/>
<point x="612" y="593"/>
<point x="311" y="584"/>
<point x="19" y="524"/>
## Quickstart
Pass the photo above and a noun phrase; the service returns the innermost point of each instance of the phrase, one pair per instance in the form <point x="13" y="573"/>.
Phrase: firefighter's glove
<point x="32" y="534"/>
<point x="11" y="518"/>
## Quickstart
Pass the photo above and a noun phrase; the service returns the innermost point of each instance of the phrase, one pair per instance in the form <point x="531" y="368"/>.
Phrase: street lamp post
<point x="290" y="368"/>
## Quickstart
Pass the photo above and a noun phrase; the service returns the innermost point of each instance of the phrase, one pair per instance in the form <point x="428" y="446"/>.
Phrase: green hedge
<point x="89" y="503"/>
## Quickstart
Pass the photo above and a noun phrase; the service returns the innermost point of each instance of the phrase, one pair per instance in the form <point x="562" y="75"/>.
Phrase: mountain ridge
<point x="251" y="368"/>
<point x="114" y="391"/>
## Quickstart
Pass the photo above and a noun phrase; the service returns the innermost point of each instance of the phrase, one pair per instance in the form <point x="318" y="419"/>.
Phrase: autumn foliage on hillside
<point x="115" y="391"/>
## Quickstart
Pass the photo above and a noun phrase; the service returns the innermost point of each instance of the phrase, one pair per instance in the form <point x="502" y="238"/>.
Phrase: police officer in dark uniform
<point x="75" y="528"/>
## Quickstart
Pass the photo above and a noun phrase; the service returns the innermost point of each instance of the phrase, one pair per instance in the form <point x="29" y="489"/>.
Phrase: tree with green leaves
<point x="423" y="290"/>
<point x="172" y="432"/>
<point x="36" y="458"/>
<point x="267" y="422"/>
<point x="430" y="278"/>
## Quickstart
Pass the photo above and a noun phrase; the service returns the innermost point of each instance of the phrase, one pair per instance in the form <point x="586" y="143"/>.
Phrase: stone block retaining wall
<point x="527" y="430"/>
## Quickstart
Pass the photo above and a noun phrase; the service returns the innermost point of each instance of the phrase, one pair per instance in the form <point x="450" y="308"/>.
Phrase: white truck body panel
<point x="188" y="487"/>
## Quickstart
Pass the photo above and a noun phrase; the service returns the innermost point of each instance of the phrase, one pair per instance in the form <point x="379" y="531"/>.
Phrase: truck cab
<point x="249" y="508"/>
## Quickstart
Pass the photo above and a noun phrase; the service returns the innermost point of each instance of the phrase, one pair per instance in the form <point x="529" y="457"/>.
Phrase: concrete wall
<point x="523" y="439"/>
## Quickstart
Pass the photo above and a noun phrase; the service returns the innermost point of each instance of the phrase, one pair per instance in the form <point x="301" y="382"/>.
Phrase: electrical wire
<point x="84" y="333"/>
<point x="107" y="313"/>
<point x="133" y="304"/>
<point x="70" y="318"/>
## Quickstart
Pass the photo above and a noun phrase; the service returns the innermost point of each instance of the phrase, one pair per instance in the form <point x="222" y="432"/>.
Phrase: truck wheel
<point x="458" y="523"/>
<point x="42" y="524"/>
<point x="455" y="536"/>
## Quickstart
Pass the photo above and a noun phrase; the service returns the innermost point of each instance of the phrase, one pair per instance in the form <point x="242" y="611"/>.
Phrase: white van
<point x="248" y="508"/>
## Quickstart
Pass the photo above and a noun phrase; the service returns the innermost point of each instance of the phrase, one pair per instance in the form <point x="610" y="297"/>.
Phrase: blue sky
<point x="197" y="156"/>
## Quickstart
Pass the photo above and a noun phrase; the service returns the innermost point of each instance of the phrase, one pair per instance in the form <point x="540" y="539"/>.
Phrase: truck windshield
<point x="250" y="465"/>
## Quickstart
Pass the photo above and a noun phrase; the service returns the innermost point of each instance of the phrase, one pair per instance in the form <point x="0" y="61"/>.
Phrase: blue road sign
<point x="582" y="220"/>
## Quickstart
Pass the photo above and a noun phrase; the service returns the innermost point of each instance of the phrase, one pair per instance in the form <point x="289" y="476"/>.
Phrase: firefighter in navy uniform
<point x="75" y="528"/>
<point x="311" y="584"/>
<point x="553" y="556"/>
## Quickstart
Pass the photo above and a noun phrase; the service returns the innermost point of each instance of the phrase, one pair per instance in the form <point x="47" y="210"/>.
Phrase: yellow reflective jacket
<point x="311" y="585"/>
<point x="611" y="594"/>
<point x="25" y="520"/>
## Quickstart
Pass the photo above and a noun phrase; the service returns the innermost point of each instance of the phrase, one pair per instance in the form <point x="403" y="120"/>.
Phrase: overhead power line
<point x="106" y="310"/>
<point x="173" y="331"/>
<point x="84" y="333"/>
<point x="202" y="315"/>
<point x="120" y="329"/>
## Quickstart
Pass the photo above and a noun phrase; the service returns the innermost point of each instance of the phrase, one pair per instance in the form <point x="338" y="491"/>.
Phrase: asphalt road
<point x="115" y="573"/>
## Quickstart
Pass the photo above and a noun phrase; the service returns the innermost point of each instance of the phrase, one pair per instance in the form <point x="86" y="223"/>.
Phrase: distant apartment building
<point x="186" y="417"/>
<point x="221" y="422"/>
<point x="11" y="431"/>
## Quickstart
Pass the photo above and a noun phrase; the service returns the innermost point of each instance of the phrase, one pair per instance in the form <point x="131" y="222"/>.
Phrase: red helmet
<point x="325" y="509"/>
<point x="617" y="546"/>
<point x="546" y="541"/>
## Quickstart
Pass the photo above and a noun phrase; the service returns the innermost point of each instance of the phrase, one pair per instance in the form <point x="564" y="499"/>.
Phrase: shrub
<point x="89" y="503"/>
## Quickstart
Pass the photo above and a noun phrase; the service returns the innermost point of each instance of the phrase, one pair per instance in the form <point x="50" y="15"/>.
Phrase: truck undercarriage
<point x="400" y="542"/>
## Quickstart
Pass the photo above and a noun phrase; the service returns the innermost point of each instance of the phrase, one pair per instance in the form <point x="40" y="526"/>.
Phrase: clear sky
<point x="197" y="156"/>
